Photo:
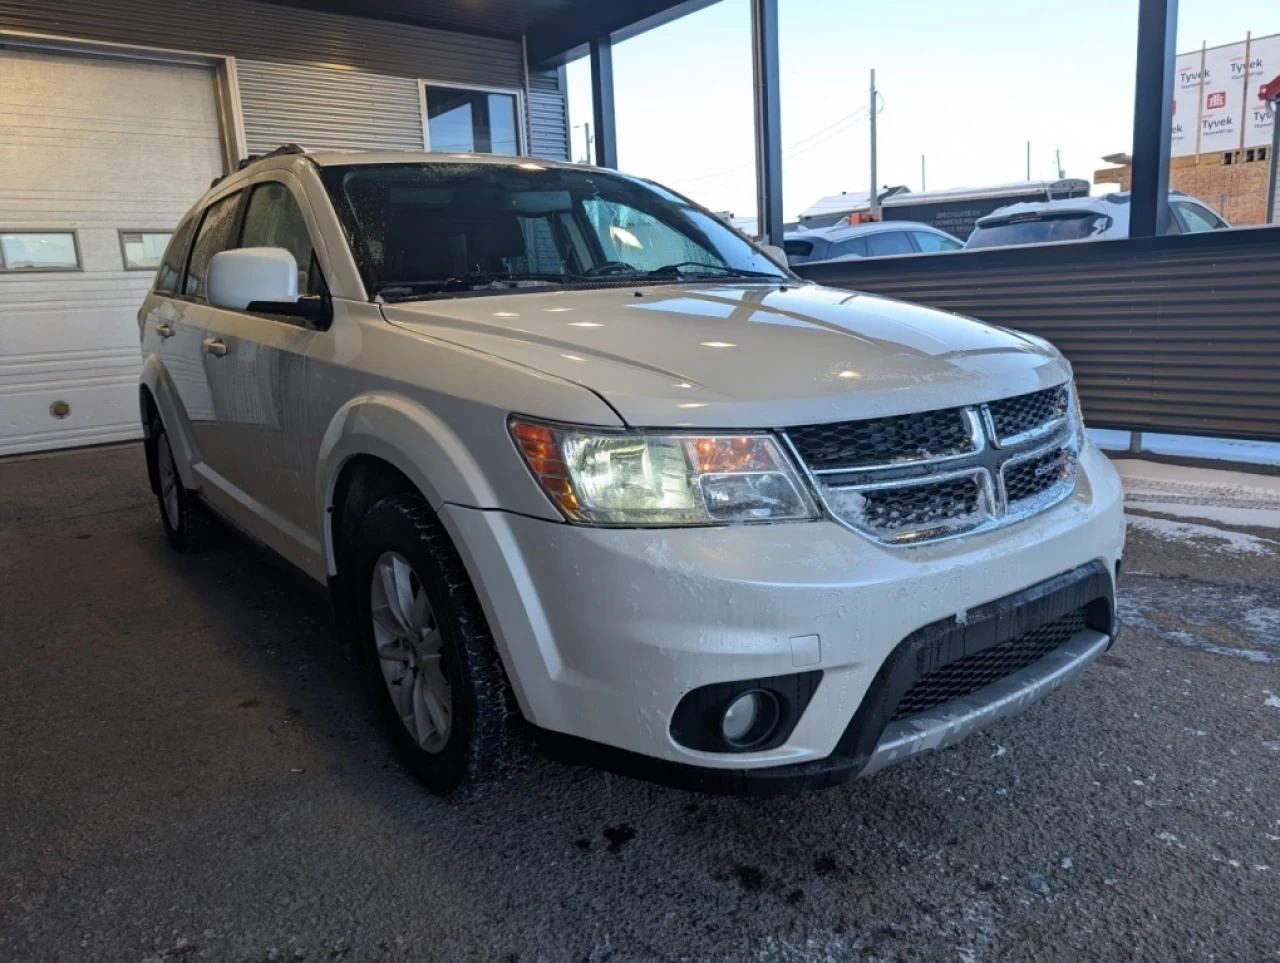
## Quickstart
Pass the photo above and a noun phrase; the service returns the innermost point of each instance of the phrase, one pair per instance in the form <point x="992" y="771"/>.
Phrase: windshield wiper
<point x="467" y="282"/>
<point x="681" y="269"/>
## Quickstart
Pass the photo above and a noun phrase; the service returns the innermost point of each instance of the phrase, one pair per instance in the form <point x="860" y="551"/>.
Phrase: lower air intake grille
<point x="968" y="675"/>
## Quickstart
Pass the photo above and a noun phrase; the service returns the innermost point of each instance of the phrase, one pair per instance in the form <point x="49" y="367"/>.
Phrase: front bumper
<point x="603" y="631"/>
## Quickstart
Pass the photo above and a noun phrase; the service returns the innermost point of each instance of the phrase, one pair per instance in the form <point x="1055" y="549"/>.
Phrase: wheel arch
<point x="149" y="411"/>
<point x="415" y="445"/>
<point x="157" y="398"/>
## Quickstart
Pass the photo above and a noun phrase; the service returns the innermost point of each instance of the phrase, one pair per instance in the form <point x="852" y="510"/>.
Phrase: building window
<point x="39" y="251"/>
<point x="472" y="121"/>
<point x="143" y="250"/>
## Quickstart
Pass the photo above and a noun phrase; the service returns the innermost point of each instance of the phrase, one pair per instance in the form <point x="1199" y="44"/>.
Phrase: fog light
<point x="749" y="719"/>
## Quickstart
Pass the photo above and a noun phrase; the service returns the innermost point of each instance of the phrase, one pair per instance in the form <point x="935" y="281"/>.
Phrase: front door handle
<point x="165" y="330"/>
<point x="215" y="347"/>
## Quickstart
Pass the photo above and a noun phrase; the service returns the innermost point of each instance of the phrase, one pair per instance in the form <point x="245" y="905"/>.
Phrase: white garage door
<point x="99" y="157"/>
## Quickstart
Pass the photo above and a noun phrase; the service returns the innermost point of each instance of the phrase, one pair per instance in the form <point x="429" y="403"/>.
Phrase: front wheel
<point x="440" y="678"/>
<point x="186" y="524"/>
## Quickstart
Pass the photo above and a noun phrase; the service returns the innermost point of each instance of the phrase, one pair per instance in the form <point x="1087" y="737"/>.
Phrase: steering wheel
<point x="608" y="267"/>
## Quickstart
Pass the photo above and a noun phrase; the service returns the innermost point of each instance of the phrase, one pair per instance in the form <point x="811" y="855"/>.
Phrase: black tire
<point x="187" y="526"/>
<point x="478" y="745"/>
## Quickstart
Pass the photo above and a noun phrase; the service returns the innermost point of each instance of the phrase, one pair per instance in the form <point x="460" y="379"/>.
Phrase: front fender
<point x="155" y="378"/>
<point x="405" y="434"/>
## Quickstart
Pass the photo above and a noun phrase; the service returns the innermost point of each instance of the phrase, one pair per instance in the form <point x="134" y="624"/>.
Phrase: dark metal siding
<point x="548" y="115"/>
<point x="322" y="108"/>
<point x="263" y="31"/>
<point x="1177" y="334"/>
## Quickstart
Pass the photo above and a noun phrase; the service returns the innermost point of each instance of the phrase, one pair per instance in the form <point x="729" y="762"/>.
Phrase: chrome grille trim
<point x="986" y="465"/>
<point x="1032" y="434"/>
<point x="1059" y="490"/>
<point x="985" y="514"/>
<point x="977" y="439"/>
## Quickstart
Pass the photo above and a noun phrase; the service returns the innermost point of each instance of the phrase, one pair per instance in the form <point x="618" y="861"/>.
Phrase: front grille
<point x="971" y="673"/>
<point x="883" y="441"/>
<point x="1016" y="416"/>
<point x="952" y="504"/>
<point x="931" y="475"/>
<point x="1035" y="476"/>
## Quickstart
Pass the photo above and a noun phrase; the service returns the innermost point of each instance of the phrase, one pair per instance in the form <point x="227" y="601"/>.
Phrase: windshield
<point x="438" y="229"/>
<point x="1040" y="229"/>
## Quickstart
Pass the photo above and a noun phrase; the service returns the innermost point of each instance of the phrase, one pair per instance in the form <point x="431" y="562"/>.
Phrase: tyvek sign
<point x="1217" y="97"/>
<point x="1222" y="113"/>
<point x="1264" y="64"/>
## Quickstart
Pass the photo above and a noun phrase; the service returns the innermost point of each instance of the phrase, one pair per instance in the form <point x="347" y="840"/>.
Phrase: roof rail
<point x="282" y="151"/>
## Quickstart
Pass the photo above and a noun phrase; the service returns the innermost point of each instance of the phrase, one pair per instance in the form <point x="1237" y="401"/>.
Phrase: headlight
<point x="1075" y="398"/>
<point x="642" y="478"/>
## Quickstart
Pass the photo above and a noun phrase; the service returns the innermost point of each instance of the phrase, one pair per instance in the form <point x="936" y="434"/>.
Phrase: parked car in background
<point x="564" y="447"/>
<point x="881" y="239"/>
<point x="1084" y="219"/>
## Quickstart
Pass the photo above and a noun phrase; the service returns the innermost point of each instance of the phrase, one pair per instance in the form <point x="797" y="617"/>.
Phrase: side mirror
<point x="775" y="252"/>
<point x="240" y="278"/>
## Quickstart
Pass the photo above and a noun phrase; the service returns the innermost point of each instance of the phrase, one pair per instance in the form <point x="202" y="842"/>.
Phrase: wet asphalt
<point x="189" y="771"/>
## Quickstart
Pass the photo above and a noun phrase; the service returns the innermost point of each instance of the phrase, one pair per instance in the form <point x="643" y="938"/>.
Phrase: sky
<point x="966" y="85"/>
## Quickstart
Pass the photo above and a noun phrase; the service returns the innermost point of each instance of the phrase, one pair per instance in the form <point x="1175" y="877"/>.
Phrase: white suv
<point x="565" y="447"/>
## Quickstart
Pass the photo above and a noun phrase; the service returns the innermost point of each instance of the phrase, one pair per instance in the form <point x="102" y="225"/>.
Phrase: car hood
<point x="744" y="355"/>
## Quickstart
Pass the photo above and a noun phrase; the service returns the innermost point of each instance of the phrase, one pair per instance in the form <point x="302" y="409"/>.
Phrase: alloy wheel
<point x="168" y="473"/>
<point x="410" y="651"/>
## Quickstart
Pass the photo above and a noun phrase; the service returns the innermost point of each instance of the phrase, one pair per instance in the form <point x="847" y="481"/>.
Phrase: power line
<point x="844" y="123"/>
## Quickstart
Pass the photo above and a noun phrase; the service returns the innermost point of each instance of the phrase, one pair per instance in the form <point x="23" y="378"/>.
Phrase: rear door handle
<point x="165" y="330"/>
<point x="215" y="347"/>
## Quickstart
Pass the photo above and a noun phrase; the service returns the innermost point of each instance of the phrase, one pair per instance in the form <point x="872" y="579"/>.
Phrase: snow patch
<point x="1238" y="543"/>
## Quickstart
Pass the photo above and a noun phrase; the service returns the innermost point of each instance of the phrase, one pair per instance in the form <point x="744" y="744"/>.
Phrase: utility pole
<point x="923" y="182"/>
<point x="1028" y="160"/>
<point x="1058" y="154"/>
<point x="875" y="181"/>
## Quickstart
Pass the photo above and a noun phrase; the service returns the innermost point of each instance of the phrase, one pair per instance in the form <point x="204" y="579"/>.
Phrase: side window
<point x="888" y="243"/>
<point x="174" y="257"/>
<point x="214" y="237"/>
<point x="932" y="243"/>
<point x="1196" y="219"/>
<point x="273" y="219"/>
<point x="853" y="246"/>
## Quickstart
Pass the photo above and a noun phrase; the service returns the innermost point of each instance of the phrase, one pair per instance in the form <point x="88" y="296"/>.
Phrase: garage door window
<point x="143" y="250"/>
<point x="213" y="238"/>
<point x="273" y="219"/>
<point x="472" y="121"/>
<point x="39" y="251"/>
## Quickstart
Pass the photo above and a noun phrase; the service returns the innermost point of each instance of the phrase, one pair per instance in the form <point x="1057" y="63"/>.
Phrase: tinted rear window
<point x="1039" y="230"/>
<point x="798" y="248"/>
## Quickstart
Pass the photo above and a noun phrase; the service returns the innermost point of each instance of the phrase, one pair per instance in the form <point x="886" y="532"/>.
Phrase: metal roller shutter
<point x="548" y="119"/>
<point x="321" y="108"/>
<point x="93" y="146"/>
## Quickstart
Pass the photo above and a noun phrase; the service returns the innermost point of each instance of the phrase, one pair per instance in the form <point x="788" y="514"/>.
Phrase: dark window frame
<point x="240" y="194"/>
<point x="314" y="271"/>
<point x="517" y="95"/>
<point x="191" y="221"/>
